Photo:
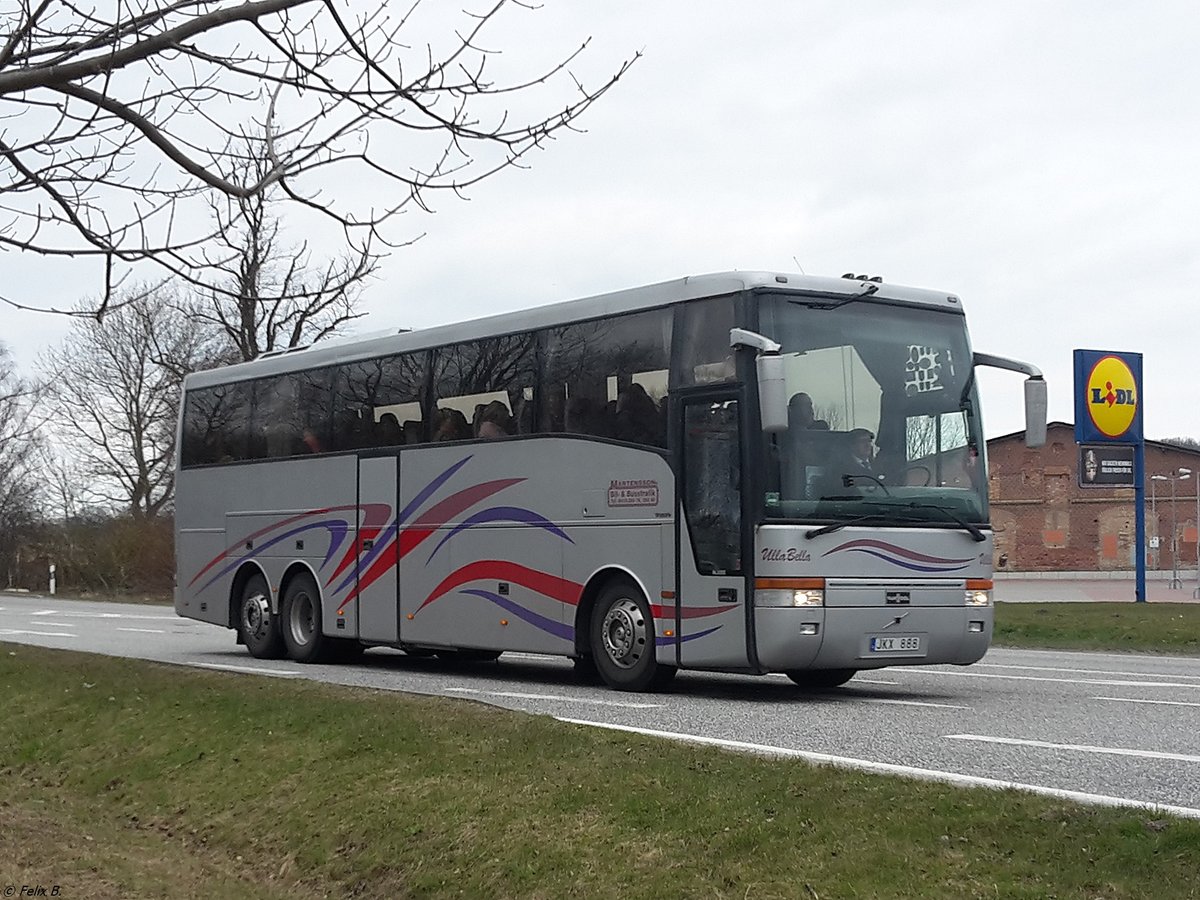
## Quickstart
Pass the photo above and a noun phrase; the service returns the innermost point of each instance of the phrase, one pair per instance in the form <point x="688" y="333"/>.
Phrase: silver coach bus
<point x="746" y="472"/>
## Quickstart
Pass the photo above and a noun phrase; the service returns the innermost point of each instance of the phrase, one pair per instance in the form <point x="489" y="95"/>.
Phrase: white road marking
<point x="521" y="696"/>
<point x="92" y="615"/>
<point x="856" y="680"/>
<point x="57" y="624"/>
<point x="910" y="703"/>
<point x="5" y="632"/>
<point x="1160" y="702"/>
<point x="1101" y="682"/>
<point x="1083" y="671"/>
<point x="1081" y="748"/>
<point x="144" y="630"/>
<point x="281" y="673"/>
<point x="867" y="765"/>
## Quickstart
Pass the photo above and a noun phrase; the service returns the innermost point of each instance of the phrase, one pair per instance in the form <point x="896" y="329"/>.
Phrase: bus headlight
<point x="794" y="592"/>
<point x="979" y="592"/>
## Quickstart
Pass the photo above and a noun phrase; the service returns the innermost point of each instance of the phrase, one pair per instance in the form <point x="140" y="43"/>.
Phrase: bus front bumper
<point x="870" y="637"/>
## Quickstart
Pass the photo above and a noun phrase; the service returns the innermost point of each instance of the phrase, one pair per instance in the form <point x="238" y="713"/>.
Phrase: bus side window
<point x="366" y="391"/>
<point x="608" y="377"/>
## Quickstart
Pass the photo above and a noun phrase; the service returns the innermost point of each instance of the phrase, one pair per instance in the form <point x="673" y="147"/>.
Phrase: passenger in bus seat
<point x="388" y="432"/>
<point x="637" y="419"/>
<point x="450" y="425"/>
<point x="312" y="443"/>
<point x="801" y="415"/>
<point x="412" y="431"/>
<point x="494" y="421"/>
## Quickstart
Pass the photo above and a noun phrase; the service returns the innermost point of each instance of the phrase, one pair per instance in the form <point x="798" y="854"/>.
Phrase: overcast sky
<point x="1038" y="159"/>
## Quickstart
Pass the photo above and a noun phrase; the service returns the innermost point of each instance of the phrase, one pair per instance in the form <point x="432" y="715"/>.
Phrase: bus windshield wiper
<point x="974" y="530"/>
<point x="838" y="526"/>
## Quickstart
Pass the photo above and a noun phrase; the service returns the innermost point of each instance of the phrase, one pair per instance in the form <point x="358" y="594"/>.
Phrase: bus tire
<point x="257" y="627"/>
<point x="300" y="615"/>
<point x="821" y="679"/>
<point x="622" y="638"/>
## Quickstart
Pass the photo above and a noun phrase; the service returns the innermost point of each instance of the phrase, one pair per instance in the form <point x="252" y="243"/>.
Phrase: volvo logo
<point x="896" y="621"/>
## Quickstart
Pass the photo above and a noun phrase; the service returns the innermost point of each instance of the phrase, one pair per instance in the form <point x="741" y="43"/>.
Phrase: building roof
<point x="1161" y="445"/>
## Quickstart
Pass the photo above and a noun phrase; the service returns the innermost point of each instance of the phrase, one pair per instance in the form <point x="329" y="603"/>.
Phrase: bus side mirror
<point x="772" y="386"/>
<point x="772" y="393"/>
<point x="1035" y="412"/>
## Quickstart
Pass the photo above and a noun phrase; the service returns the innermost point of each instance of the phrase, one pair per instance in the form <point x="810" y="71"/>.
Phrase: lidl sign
<point x="1108" y="397"/>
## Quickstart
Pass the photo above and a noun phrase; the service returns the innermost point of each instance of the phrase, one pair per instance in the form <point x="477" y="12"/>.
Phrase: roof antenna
<point x="800" y="267"/>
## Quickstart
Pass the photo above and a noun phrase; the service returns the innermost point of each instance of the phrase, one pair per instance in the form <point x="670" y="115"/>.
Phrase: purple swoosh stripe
<point x="896" y="549"/>
<point x="503" y="514"/>
<point x="428" y="491"/>
<point x="907" y="565"/>
<point x="558" y="629"/>
<point x="382" y="541"/>
<point x="389" y="534"/>
<point x="336" y="527"/>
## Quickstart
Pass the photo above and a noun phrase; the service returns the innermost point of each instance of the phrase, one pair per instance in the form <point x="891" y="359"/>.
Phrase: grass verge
<point x="124" y="778"/>
<point x="1145" y="627"/>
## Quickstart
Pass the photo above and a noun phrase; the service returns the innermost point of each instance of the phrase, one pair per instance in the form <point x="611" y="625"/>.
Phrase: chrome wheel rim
<point x="301" y="618"/>
<point x="256" y="616"/>
<point x="624" y="633"/>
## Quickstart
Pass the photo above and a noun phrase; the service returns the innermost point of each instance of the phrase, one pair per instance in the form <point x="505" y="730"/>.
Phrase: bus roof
<point x="693" y="287"/>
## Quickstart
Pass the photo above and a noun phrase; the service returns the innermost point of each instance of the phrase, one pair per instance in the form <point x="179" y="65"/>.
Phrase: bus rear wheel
<point x="622" y="639"/>
<point x="821" y="679"/>
<point x="300" y="612"/>
<point x="257" y="627"/>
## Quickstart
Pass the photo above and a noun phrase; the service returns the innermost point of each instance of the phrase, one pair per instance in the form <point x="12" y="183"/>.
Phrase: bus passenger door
<point x="378" y="505"/>
<point x="712" y="603"/>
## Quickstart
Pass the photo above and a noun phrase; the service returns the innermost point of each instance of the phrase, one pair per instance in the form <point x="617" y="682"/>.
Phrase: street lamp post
<point x="1154" y="517"/>
<point x="1180" y="474"/>
<point x="1196" y="591"/>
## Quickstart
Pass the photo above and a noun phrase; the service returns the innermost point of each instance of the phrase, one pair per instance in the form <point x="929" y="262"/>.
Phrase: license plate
<point x="894" y="643"/>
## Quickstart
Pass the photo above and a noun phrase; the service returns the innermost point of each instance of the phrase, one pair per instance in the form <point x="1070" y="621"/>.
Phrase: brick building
<point x="1044" y="520"/>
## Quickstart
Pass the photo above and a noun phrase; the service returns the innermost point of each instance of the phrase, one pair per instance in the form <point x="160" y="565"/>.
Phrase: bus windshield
<point x="883" y="423"/>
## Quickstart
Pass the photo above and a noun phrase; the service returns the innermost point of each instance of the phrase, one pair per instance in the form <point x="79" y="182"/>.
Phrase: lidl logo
<point x="1112" y="399"/>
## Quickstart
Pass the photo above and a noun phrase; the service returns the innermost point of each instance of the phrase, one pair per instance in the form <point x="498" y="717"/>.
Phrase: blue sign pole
<point x="1139" y="518"/>
<point x="1108" y="410"/>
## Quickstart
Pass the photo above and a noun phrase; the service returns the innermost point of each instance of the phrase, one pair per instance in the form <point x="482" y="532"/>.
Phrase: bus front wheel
<point x="257" y="627"/>
<point x="301" y="621"/>
<point x="622" y="639"/>
<point x="821" y="679"/>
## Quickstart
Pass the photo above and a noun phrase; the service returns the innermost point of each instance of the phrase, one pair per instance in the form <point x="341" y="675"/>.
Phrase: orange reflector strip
<point x="979" y="584"/>
<point x="410" y="615"/>
<point x="669" y="633"/>
<point x="504" y="621"/>
<point x="789" y="584"/>
<point x="341" y="612"/>
<point x="668" y="595"/>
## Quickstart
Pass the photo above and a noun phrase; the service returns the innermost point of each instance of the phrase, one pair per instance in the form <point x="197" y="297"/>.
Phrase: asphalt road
<point x="1119" y="729"/>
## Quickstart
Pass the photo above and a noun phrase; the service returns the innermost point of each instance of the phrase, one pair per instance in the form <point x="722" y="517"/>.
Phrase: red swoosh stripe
<point x="560" y="589"/>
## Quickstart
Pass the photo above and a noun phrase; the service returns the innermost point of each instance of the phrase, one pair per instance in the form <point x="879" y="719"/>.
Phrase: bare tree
<point x="114" y="389"/>
<point x="1186" y="442"/>
<point x="267" y="294"/>
<point x="19" y="444"/>
<point x="119" y="118"/>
